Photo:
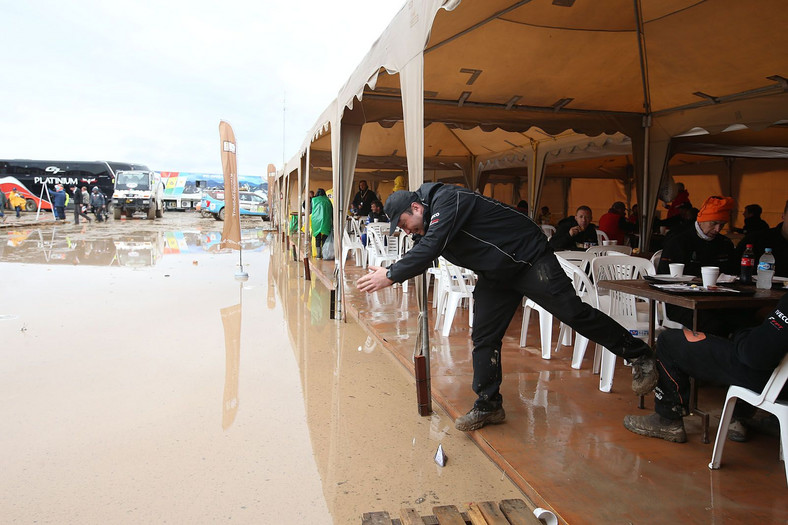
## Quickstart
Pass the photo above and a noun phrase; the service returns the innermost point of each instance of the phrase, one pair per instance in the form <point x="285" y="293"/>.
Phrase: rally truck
<point x="138" y="190"/>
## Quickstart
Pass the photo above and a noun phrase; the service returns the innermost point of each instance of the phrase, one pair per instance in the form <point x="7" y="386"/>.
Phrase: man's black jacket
<point x="473" y="231"/>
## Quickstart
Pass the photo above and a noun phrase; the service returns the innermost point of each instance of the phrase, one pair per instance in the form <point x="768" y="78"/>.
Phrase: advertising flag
<point x="231" y="233"/>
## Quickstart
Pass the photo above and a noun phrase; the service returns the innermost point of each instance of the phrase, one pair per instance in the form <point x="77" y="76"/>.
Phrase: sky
<point x="148" y="81"/>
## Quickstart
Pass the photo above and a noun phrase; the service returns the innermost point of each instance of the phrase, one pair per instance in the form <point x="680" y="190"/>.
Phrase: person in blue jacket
<point x="59" y="202"/>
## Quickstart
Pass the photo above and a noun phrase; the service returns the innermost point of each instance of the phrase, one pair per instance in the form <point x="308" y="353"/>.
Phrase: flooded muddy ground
<point x="142" y="383"/>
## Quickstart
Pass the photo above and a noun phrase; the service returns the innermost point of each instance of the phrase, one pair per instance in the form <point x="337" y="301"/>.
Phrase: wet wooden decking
<point x="563" y="442"/>
<point x="507" y="512"/>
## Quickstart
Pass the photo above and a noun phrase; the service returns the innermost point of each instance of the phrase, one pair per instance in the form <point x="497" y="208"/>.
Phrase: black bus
<point x="30" y="177"/>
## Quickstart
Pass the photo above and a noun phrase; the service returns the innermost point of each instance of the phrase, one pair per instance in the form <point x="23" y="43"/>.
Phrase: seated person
<point x="775" y="238"/>
<point x="634" y="217"/>
<point x="544" y="216"/>
<point x="684" y="220"/>
<point x="748" y="361"/>
<point x="573" y="232"/>
<point x="752" y="220"/>
<point x="681" y="198"/>
<point x="704" y="245"/>
<point x="376" y="212"/>
<point x="615" y="224"/>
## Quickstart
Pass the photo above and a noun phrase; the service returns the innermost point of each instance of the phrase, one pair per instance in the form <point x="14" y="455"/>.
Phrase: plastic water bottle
<point x="747" y="265"/>
<point x="765" y="270"/>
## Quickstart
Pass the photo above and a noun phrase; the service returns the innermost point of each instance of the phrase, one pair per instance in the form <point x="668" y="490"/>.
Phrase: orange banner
<point x="231" y="233"/>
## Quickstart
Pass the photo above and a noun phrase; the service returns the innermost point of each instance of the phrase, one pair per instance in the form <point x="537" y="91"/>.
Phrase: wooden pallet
<point x="507" y="512"/>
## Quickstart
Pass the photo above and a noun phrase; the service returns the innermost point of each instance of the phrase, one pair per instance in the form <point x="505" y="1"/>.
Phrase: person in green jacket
<point x="322" y="213"/>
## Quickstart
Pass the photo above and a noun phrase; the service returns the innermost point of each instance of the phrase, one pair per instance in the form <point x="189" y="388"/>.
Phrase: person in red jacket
<point x="674" y="207"/>
<point x="615" y="224"/>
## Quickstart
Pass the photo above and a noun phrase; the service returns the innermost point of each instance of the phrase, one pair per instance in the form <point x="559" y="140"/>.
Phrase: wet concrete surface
<point x="141" y="383"/>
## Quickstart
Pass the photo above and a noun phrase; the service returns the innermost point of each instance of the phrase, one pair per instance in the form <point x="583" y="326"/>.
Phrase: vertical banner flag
<point x="231" y="233"/>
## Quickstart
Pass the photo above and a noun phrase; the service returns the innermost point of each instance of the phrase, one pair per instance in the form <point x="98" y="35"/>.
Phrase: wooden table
<point x="695" y="302"/>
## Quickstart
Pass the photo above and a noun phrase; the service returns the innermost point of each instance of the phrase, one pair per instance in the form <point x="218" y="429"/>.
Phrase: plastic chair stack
<point x="622" y="307"/>
<point x="453" y="287"/>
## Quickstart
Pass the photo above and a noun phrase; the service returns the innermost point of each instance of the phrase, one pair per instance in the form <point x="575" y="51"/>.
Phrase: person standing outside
<point x="79" y="205"/>
<point x="510" y="255"/>
<point x="17" y="202"/>
<point x="3" y="204"/>
<point x="322" y="216"/>
<point x="59" y="202"/>
<point x="363" y="199"/>
<point x="97" y="202"/>
<point x="574" y="233"/>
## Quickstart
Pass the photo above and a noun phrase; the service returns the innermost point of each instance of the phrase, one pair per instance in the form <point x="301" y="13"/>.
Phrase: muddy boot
<point x="476" y="419"/>
<point x="644" y="373"/>
<point x="737" y="431"/>
<point x="657" y="426"/>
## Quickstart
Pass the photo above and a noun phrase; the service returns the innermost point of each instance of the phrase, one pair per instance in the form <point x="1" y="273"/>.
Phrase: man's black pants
<point x="547" y="284"/>
<point x="682" y="354"/>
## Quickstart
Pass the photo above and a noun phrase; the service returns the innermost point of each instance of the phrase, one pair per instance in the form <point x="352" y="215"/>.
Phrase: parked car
<point x="250" y="204"/>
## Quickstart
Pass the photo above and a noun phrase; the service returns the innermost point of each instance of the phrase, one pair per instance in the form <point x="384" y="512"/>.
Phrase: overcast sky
<point x="148" y="81"/>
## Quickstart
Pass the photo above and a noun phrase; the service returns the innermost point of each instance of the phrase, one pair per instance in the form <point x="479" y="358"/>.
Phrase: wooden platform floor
<point x="563" y="442"/>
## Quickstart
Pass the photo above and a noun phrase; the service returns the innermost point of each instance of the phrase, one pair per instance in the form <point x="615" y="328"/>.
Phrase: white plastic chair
<point x="601" y="236"/>
<point x="614" y="249"/>
<point x="578" y="258"/>
<point x="359" y="250"/>
<point x="622" y="307"/>
<point x="656" y="258"/>
<point x="454" y="287"/>
<point x="765" y="400"/>
<point x="585" y="290"/>
<point x="378" y="256"/>
<point x="545" y="326"/>
<point x="548" y="230"/>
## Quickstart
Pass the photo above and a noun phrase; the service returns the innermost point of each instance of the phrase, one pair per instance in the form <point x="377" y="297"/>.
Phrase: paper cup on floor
<point x="709" y="274"/>
<point x="676" y="269"/>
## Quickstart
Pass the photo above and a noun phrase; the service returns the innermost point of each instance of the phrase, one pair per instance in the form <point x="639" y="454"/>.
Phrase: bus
<point x="30" y="176"/>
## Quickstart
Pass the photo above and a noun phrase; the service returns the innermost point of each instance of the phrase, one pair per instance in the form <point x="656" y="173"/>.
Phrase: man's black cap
<point x="398" y="202"/>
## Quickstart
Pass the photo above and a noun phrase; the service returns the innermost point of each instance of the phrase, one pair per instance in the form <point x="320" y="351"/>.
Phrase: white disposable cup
<point x="709" y="274"/>
<point x="376" y="220"/>
<point x="676" y="269"/>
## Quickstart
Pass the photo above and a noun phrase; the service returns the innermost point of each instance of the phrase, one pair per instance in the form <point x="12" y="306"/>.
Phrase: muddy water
<point x="140" y="382"/>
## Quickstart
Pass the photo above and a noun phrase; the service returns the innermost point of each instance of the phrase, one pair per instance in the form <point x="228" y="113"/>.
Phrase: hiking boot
<point x="476" y="419"/>
<point x="737" y="431"/>
<point x="644" y="373"/>
<point x="657" y="426"/>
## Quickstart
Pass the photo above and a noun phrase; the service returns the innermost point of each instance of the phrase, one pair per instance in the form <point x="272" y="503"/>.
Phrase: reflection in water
<point x="231" y="321"/>
<point x="55" y="245"/>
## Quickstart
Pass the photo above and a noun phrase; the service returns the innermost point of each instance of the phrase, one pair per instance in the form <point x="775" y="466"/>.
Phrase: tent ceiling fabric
<point x="544" y="53"/>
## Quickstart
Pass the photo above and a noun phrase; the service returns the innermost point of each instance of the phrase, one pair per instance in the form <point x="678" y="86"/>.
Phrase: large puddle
<point x="142" y="383"/>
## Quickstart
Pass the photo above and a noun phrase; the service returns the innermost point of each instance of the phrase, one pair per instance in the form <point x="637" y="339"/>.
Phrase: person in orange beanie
<point x="704" y="245"/>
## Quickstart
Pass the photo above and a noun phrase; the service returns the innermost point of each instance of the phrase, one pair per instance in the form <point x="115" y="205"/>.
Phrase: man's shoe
<point x="737" y="431"/>
<point x="644" y="373"/>
<point x="657" y="426"/>
<point x="476" y="419"/>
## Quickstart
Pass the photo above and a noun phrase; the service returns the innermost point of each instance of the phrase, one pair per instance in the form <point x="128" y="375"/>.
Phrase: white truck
<point x="137" y="190"/>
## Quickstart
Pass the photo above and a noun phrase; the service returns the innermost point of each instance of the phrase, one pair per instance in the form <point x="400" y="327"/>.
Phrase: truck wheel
<point x="129" y="213"/>
<point x="116" y="213"/>
<point x="206" y="214"/>
<point x="30" y="205"/>
<point x="160" y="212"/>
<point x="152" y="212"/>
<point x="219" y="216"/>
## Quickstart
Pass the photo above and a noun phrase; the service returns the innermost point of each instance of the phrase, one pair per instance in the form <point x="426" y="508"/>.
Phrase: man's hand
<point x="574" y="230"/>
<point x="375" y="280"/>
